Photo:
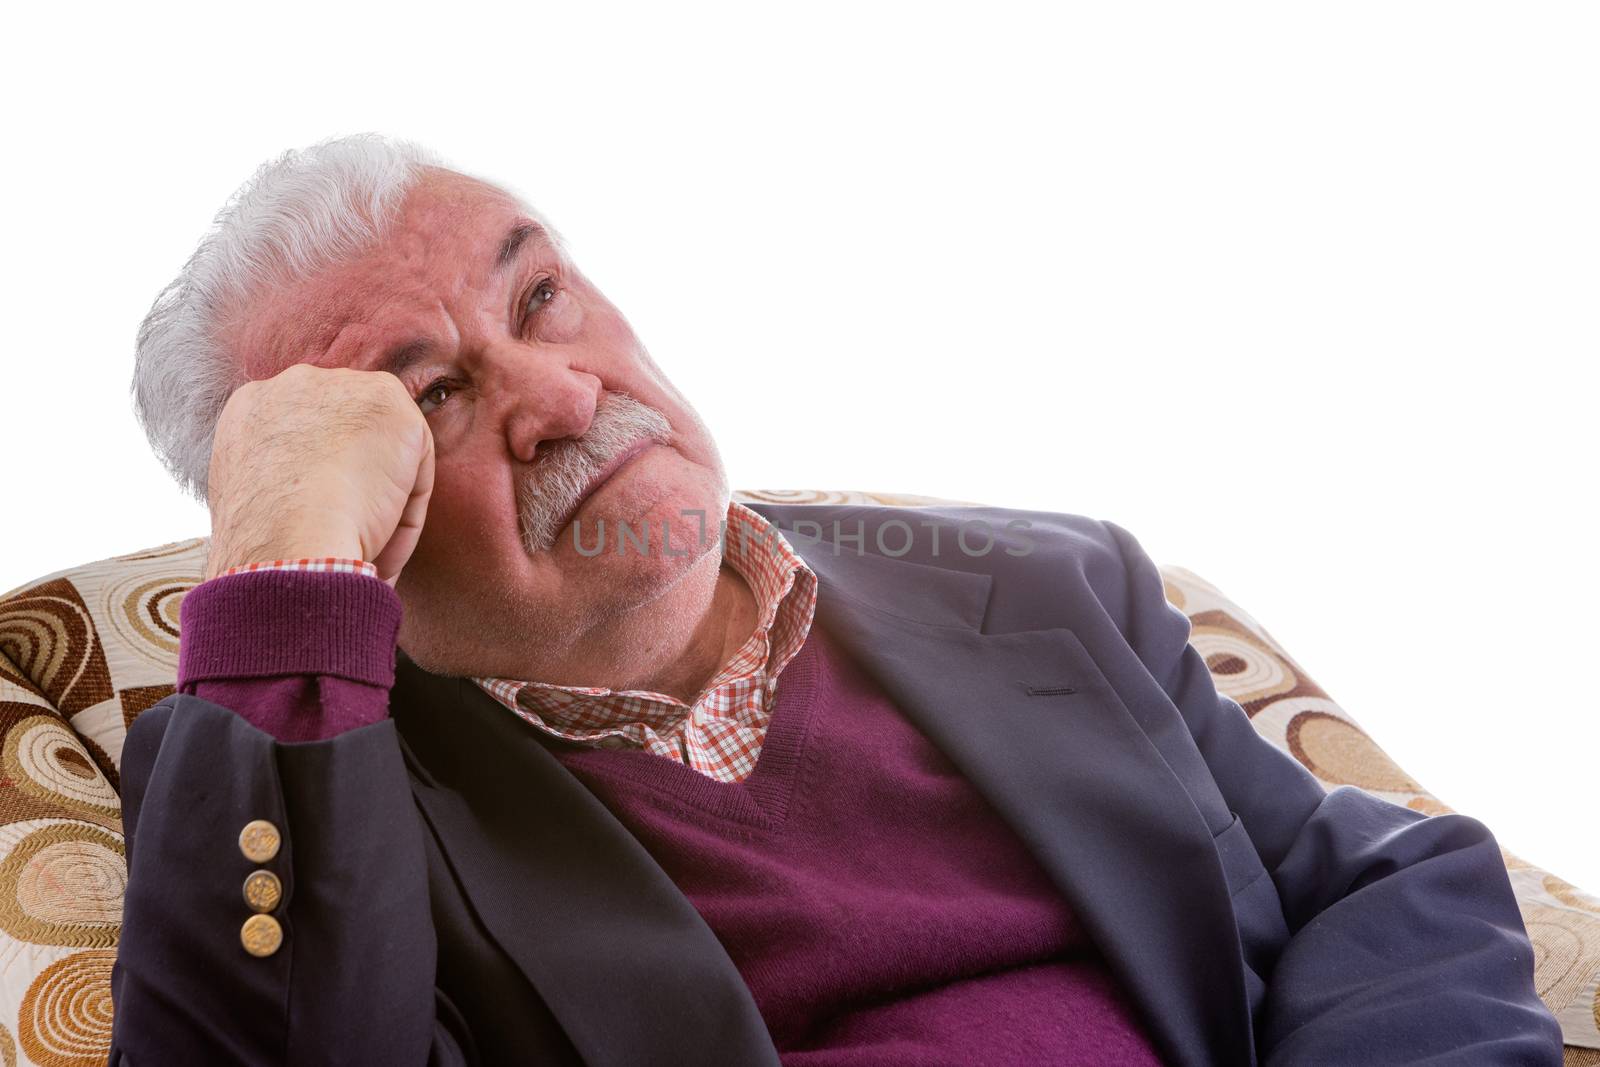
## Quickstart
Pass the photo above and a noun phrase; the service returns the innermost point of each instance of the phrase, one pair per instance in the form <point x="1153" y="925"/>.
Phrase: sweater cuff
<point x="265" y="624"/>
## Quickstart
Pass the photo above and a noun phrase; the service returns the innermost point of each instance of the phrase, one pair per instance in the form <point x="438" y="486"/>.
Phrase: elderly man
<point x="640" y="775"/>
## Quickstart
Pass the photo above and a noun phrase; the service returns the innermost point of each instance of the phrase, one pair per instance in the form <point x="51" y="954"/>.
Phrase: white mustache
<point x="563" y="469"/>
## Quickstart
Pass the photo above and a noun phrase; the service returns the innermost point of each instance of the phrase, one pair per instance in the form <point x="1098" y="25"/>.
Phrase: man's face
<point x="514" y="358"/>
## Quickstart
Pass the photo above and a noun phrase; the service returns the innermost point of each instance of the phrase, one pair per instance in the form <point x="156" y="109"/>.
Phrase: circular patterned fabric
<point x="65" y="1017"/>
<point x="43" y="758"/>
<point x="62" y="884"/>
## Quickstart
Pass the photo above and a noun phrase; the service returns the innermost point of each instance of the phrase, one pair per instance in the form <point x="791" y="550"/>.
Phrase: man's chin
<point x="631" y="572"/>
<point x="489" y="633"/>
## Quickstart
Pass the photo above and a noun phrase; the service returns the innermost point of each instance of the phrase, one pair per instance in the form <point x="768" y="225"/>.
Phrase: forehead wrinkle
<point x="438" y="251"/>
<point x="489" y="225"/>
<point x="302" y="321"/>
<point x="380" y="317"/>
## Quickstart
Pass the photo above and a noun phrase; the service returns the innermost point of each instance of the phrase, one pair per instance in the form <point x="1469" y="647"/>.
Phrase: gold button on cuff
<point x="259" y="841"/>
<point x="262" y="891"/>
<point x="261" y="935"/>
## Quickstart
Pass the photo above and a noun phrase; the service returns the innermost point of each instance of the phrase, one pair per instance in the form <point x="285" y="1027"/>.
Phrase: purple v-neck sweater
<point x="879" y="909"/>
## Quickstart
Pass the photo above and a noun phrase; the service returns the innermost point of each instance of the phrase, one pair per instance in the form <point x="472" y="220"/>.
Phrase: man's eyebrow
<point x="404" y="356"/>
<point x="516" y="239"/>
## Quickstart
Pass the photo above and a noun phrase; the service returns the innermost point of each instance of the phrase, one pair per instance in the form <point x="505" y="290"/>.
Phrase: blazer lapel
<point x="624" y="962"/>
<point x="1073" y="774"/>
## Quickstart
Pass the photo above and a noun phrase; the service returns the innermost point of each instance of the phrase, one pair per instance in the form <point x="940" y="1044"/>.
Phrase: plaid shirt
<point x="720" y="735"/>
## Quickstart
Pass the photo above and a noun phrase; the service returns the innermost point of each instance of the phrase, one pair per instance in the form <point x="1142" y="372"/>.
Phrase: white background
<point x="1304" y="296"/>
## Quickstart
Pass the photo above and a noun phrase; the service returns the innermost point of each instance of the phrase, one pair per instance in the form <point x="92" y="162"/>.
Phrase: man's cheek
<point x="457" y="524"/>
<point x="561" y="322"/>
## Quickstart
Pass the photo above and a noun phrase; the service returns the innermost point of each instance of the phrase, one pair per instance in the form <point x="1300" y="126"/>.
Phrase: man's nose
<point x="540" y="396"/>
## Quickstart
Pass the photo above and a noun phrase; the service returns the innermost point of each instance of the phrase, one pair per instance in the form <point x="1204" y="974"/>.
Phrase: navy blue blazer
<point x="454" y="896"/>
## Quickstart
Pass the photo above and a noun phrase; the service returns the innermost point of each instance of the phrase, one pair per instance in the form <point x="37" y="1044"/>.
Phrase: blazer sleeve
<point x="1406" y="944"/>
<point x="353" y="979"/>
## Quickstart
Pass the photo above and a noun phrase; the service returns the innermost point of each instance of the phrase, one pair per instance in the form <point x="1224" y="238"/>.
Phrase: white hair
<point x="299" y="213"/>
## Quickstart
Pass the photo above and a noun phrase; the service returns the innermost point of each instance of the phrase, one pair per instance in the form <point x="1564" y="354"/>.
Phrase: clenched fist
<point x="319" y="462"/>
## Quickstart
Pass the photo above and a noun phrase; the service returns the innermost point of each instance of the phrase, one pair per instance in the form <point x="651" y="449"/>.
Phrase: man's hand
<point x="319" y="462"/>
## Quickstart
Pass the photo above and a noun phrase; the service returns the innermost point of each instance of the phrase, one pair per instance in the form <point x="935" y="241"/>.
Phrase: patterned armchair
<point x="84" y="652"/>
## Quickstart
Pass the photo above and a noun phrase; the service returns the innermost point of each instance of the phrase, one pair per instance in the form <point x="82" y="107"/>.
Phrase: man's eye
<point x="434" y="396"/>
<point x="542" y="294"/>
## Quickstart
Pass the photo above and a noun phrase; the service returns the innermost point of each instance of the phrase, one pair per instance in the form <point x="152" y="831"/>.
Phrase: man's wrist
<point x="229" y="554"/>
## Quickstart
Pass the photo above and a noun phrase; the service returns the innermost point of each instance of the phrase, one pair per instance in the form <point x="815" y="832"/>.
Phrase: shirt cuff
<point x="324" y="564"/>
